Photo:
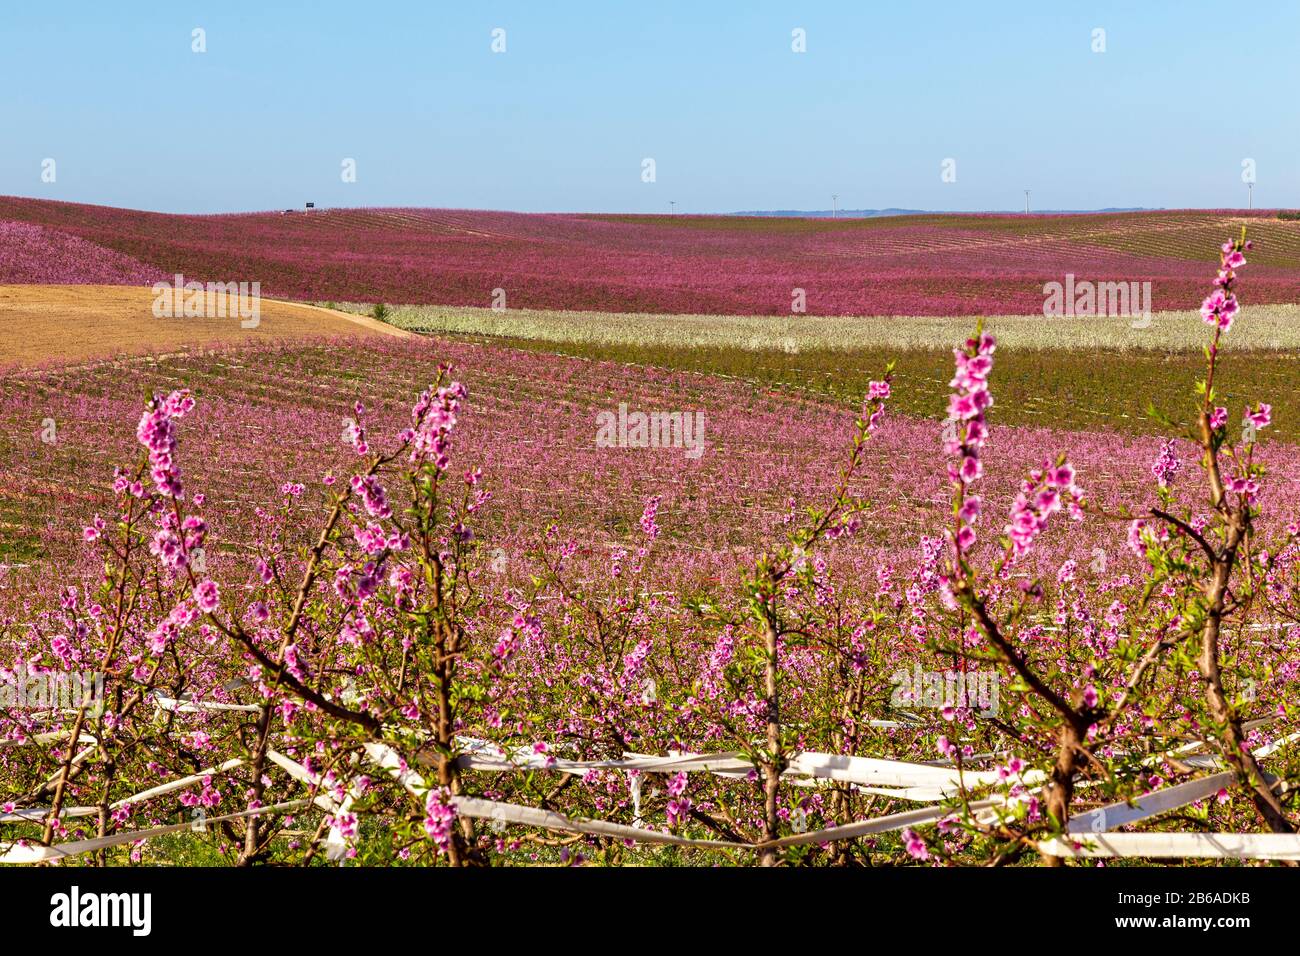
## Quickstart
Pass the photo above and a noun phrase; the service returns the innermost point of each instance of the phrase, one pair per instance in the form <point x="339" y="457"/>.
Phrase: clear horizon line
<point x="774" y="212"/>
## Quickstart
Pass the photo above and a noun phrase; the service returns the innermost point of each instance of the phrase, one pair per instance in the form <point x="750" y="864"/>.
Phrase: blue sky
<point x="712" y="91"/>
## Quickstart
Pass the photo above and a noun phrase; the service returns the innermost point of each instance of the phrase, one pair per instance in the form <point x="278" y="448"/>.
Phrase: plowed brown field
<point x="63" y="324"/>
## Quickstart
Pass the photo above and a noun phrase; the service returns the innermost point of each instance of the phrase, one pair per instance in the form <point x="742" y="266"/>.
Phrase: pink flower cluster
<point x="346" y="824"/>
<point x="433" y="418"/>
<point x="1220" y="306"/>
<point x="373" y="496"/>
<point x="168" y="629"/>
<point x="354" y="432"/>
<point x="207" y="596"/>
<point x="679" y="805"/>
<point x="439" y="817"/>
<point x="158" y="435"/>
<point x="877" y="392"/>
<point x="966" y="430"/>
<point x="1046" y="491"/>
<point x="1261" y="417"/>
<point x="1248" y="488"/>
<point x="915" y="846"/>
<point x="1142" y="534"/>
<point x="1166" y="465"/>
<point x="210" y="796"/>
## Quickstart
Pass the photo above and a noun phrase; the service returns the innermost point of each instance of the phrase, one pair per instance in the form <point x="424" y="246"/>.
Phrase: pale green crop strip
<point x="1263" y="327"/>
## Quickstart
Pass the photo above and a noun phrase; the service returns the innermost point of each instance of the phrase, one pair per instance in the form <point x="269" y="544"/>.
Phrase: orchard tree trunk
<point x="774" y="765"/>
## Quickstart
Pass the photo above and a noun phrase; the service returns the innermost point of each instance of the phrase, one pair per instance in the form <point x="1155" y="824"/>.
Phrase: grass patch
<point x="1082" y="390"/>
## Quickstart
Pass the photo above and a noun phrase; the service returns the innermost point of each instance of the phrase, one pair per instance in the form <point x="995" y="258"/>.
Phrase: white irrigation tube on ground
<point x="896" y="773"/>
<point x="35" y="853"/>
<point x="335" y="843"/>
<point x="891" y="778"/>
<point x="78" y="758"/>
<point x="1166" y="799"/>
<point x="918" y="781"/>
<point x="1122" y="813"/>
<point x="46" y="738"/>
<point x="386" y="758"/>
<point x="1161" y="801"/>
<point x="181" y="706"/>
<point x="307" y="779"/>
<point x="15" y="853"/>
<point x="39" y="814"/>
<point x="712" y="763"/>
<point x="182" y="783"/>
<point x="813" y="765"/>
<point x="532" y="816"/>
<point x="1215" y="846"/>
<point x="1273" y="746"/>
<point x="885" y="824"/>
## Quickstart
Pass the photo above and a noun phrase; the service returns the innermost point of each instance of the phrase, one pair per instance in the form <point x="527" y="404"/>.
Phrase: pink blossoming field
<point x="641" y="474"/>
<point x="371" y="600"/>
<point x="414" y="461"/>
<point x="965" y="265"/>
<point x="275" y="413"/>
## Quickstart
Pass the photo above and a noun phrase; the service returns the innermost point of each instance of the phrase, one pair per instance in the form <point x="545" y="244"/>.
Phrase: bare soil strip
<point x="43" y="325"/>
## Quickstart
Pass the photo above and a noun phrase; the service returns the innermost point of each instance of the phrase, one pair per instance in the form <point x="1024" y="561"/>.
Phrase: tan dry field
<point x="67" y="324"/>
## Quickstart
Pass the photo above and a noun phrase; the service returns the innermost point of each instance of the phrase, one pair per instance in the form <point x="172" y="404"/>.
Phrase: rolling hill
<point x="934" y="264"/>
